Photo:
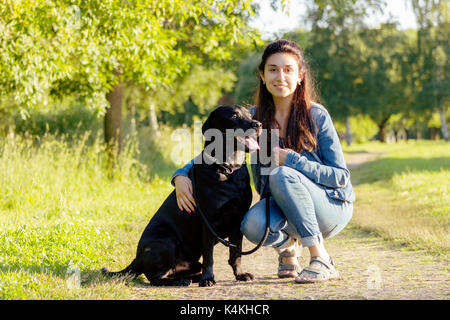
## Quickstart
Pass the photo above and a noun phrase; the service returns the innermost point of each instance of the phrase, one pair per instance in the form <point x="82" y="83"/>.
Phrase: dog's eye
<point x="235" y="116"/>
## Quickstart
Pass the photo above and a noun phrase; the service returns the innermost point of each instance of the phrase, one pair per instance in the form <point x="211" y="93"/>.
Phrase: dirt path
<point x="370" y="268"/>
<point x="356" y="159"/>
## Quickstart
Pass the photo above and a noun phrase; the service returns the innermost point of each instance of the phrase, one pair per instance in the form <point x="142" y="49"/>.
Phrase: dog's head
<point x="235" y="120"/>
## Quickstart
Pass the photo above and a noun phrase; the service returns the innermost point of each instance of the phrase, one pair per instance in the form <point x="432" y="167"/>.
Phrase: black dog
<point x="170" y="247"/>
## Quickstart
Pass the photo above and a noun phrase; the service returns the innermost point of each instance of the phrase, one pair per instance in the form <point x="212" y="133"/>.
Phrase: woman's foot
<point x="288" y="266"/>
<point x="318" y="270"/>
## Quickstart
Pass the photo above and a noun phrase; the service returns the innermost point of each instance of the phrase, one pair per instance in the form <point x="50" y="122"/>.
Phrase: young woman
<point x="311" y="194"/>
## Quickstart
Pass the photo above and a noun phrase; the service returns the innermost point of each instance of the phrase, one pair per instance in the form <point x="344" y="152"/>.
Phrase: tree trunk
<point x="443" y="123"/>
<point x="348" y="133"/>
<point x="186" y="113"/>
<point x="113" y="118"/>
<point x="441" y="108"/>
<point x="189" y="105"/>
<point x="153" y="120"/>
<point x="407" y="134"/>
<point x="382" y="131"/>
<point x="395" y="138"/>
<point x="132" y="109"/>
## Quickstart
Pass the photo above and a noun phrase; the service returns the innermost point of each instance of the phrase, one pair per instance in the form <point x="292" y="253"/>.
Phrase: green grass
<point x="404" y="195"/>
<point x="60" y="210"/>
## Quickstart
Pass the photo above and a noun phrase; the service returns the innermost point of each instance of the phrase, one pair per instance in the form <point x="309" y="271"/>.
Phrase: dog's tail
<point x="129" y="272"/>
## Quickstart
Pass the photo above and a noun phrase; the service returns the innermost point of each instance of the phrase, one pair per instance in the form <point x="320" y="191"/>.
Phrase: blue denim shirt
<point x="325" y="167"/>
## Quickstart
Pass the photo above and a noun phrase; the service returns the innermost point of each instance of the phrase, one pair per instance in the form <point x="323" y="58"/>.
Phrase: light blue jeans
<point x="299" y="208"/>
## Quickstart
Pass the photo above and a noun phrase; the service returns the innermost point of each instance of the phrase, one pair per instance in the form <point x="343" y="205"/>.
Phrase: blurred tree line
<point x="374" y="80"/>
<point x="158" y="53"/>
<point x="172" y="61"/>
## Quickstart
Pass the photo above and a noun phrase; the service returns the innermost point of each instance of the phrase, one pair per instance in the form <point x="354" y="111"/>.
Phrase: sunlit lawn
<point x="404" y="195"/>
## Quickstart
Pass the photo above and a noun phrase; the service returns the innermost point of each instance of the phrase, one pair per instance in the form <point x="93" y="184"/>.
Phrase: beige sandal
<point x="312" y="274"/>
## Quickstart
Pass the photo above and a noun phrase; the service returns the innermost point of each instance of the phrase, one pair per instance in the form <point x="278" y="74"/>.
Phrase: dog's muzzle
<point x="250" y="141"/>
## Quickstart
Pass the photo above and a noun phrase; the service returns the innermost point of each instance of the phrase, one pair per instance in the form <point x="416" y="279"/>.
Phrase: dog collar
<point x="226" y="168"/>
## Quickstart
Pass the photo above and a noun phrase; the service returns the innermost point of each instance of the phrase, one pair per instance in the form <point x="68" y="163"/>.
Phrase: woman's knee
<point x="344" y="218"/>
<point x="253" y="225"/>
<point x="280" y="175"/>
<point x="283" y="181"/>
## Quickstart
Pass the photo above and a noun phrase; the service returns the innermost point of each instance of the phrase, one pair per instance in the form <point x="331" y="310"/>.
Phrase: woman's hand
<point x="280" y="155"/>
<point x="183" y="190"/>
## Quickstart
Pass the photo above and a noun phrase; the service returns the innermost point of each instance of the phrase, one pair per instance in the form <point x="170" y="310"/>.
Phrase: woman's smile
<point x="281" y="86"/>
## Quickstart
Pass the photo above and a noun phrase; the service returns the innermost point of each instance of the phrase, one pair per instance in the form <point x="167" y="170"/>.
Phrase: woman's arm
<point x="332" y="172"/>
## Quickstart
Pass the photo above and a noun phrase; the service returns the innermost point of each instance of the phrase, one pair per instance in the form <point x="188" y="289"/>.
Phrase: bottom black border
<point x="219" y="309"/>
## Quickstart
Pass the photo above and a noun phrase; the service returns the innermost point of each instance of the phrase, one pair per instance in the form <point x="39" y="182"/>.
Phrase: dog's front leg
<point x="207" y="278"/>
<point x="235" y="257"/>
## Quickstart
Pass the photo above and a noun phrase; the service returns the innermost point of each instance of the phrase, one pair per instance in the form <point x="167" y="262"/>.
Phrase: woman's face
<point x="281" y="75"/>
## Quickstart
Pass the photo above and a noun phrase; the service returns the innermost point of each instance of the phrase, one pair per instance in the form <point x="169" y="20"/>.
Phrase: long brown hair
<point x="299" y="131"/>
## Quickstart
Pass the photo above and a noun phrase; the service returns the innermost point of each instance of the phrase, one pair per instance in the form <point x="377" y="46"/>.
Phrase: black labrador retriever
<point x="171" y="245"/>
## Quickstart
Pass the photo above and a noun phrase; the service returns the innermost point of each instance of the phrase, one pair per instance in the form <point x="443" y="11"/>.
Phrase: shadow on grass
<point x="87" y="278"/>
<point x="386" y="168"/>
<point x="95" y="276"/>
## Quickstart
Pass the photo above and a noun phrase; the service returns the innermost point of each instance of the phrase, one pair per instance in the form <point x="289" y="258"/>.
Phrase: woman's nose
<point x="281" y="75"/>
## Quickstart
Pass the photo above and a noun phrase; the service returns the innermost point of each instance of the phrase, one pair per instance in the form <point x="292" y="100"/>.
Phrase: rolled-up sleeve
<point x="184" y="171"/>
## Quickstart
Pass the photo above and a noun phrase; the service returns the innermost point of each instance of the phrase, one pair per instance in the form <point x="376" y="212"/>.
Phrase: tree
<point x="433" y="50"/>
<point x="248" y="76"/>
<point x="197" y="92"/>
<point x="335" y="52"/>
<point x="385" y="74"/>
<point x="92" y="47"/>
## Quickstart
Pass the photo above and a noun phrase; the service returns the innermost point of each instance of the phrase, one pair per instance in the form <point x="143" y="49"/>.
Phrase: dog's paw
<point x="206" y="283"/>
<point x="184" y="283"/>
<point x="245" y="277"/>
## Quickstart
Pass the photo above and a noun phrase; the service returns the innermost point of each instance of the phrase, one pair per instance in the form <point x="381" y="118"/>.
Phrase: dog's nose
<point x="257" y="125"/>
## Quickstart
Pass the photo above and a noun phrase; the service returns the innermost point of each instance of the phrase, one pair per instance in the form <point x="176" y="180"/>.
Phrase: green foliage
<point x="383" y="71"/>
<point x="61" y="47"/>
<point x="70" y="121"/>
<point x="203" y="86"/>
<point x="248" y="79"/>
<point x="362" y="127"/>
<point x="432" y="78"/>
